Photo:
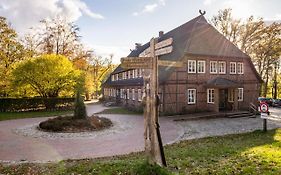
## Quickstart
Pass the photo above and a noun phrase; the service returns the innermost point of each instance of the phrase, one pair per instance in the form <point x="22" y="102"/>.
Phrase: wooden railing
<point x="253" y="108"/>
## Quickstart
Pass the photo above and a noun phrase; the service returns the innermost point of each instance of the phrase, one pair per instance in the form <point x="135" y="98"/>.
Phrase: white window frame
<point x="112" y="77"/>
<point x="133" y="73"/>
<point x="230" y="70"/>
<point x="240" y="68"/>
<point x="211" y="96"/>
<point x="199" y="68"/>
<point x="224" y="67"/>
<point x="230" y="94"/>
<point x="190" y="91"/>
<point x="139" y="95"/>
<point x="121" y="93"/>
<point x="240" y="94"/>
<point x="215" y="71"/>
<point x="133" y="94"/>
<point x="193" y="64"/>
<point x="129" y="74"/>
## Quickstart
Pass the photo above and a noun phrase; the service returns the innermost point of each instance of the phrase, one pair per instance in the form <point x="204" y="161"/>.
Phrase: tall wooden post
<point x="148" y="60"/>
<point x="157" y="150"/>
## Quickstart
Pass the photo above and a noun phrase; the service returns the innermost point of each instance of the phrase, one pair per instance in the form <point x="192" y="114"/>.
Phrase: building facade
<point x="216" y="75"/>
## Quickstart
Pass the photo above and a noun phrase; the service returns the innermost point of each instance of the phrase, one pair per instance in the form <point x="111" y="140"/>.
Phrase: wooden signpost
<point x="148" y="60"/>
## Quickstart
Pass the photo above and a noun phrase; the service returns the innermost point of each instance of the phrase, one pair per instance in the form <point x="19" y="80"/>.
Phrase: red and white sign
<point x="264" y="107"/>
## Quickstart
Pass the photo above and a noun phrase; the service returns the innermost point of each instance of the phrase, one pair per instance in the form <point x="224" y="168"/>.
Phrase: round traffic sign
<point x="264" y="107"/>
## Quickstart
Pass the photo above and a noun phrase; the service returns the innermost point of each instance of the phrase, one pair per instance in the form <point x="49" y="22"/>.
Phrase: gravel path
<point x="223" y="126"/>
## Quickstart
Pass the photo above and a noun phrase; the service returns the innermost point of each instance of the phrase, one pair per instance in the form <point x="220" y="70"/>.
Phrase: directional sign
<point x="164" y="51"/>
<point x="160" y="48"/>
<point x="136" y="62"/>
<point x="164" y="43"/>
<point x="170" y="63"/>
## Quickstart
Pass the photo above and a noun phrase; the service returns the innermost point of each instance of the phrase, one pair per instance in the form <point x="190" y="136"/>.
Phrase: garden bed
<point x="72" y="125"/>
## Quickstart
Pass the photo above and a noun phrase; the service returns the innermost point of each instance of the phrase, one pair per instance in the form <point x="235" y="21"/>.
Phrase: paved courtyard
<point x="20" y="141"/>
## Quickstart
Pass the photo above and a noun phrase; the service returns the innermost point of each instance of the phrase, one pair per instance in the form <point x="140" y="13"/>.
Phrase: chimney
<point x="161" y="33"/>
<point x="137" y="45"/>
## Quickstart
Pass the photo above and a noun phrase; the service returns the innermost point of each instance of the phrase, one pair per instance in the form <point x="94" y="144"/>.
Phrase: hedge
<point x="34" y="104"/>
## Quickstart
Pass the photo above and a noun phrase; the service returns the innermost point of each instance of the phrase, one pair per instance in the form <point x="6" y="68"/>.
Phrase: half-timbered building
<point x="215" y="76"/>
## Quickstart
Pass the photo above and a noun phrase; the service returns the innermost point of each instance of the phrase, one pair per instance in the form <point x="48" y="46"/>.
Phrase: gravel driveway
<point x="222" y="126"/>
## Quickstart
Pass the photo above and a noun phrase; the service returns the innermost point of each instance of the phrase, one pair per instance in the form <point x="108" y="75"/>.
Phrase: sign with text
<point x="161" y="48"/>
<point x="164" y="43"/>
<point x="136" y="63"/>
<point x="167" y="63"/>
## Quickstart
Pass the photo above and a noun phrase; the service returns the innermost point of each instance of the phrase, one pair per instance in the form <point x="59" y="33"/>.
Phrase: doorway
<point x="223" y="99"/>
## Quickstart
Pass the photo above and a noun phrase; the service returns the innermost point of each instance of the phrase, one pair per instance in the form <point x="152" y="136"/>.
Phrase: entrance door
<point x="222" y="99"/>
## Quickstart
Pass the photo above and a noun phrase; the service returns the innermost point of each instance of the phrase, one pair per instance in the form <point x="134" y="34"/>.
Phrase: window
<point x="191" y="66"/>
<point x="134" y="73"/>
<point x="112" y="77"/>
<point x="211" y="96"/>
<point x="240" y="94"/>
<point x="128" y="94"/>
<point x="116" y="76"/>
<point x="232" y="68"/>
<point x="133" y="94"/>
<point x="191" y="96"/>
<point x="122" y="93"/>
<point x="140" y="73"/>
<point x="129" y="74"/>
<point x="222" y="67"/>
<point x="213" y="67"/>
<point x="139" y="95"/>
<point x="240" y="68"/>
<point x="231" y="95"/>
<point x="201" y="66"/>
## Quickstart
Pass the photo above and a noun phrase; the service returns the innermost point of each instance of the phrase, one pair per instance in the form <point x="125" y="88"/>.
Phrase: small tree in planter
<point x="80" y="108"/>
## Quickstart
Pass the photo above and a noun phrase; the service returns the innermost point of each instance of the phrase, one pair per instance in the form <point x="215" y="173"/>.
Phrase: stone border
<point x="33" y="131"/>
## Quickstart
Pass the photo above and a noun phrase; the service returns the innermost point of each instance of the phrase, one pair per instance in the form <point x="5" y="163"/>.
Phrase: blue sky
<point x="114" y="26"/>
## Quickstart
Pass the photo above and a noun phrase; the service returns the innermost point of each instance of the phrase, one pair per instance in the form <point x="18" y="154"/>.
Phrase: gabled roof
<point x="196" y="37"/>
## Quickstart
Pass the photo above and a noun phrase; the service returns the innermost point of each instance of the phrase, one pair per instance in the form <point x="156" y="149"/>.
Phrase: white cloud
<point x="149" y="8"/>
<point x="26" y="13"/>
<point x="208" y="2"/>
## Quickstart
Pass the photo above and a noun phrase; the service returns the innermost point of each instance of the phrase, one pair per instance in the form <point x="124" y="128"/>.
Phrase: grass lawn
<point x="252" y="153"/>
<point x="119" y="110"/>
<point x="19" y="115"/>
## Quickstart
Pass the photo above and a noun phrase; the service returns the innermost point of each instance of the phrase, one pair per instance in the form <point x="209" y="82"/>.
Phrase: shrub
<point x="79" y="107"/>
<point x="32" y="104"/>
